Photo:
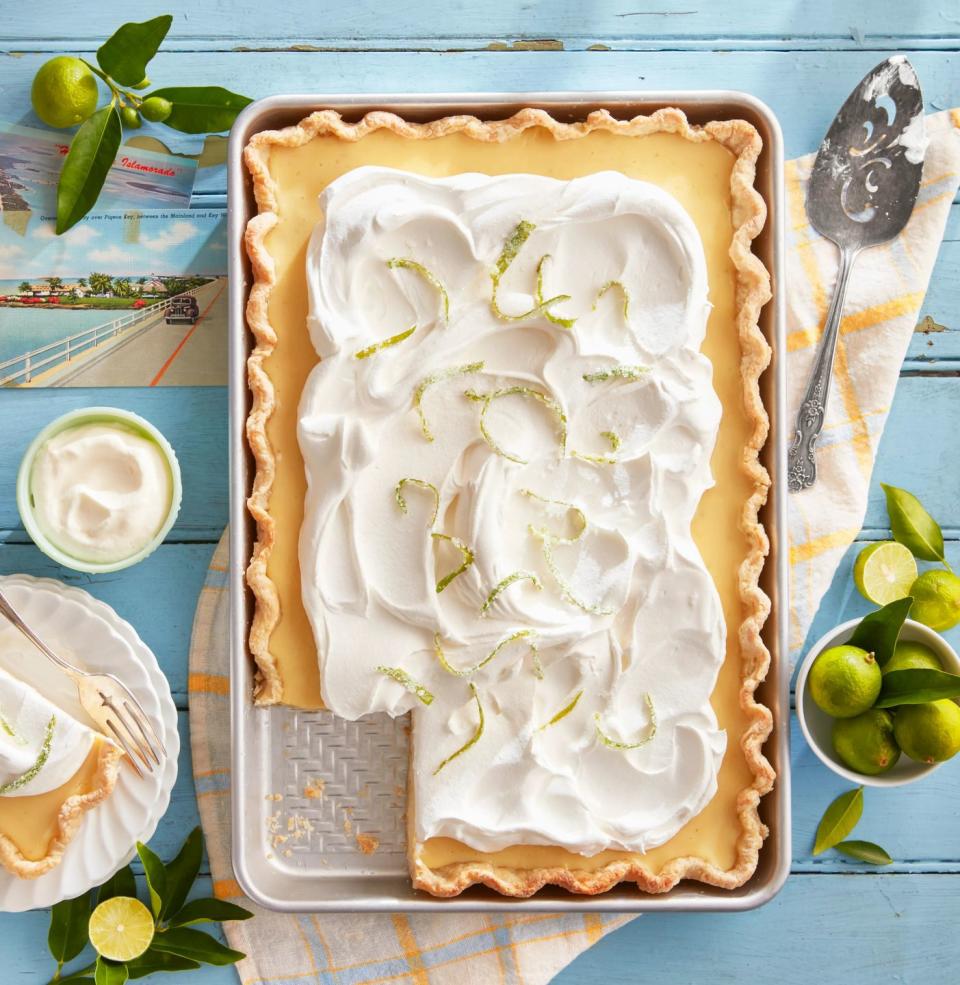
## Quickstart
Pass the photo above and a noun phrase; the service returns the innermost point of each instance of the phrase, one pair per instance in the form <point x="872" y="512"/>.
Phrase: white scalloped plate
<point x="90" y="634"/>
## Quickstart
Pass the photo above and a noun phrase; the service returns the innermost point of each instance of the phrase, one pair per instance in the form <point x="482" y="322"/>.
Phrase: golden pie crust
<point x="69" y="815"/>
<point x="752" y="291"/>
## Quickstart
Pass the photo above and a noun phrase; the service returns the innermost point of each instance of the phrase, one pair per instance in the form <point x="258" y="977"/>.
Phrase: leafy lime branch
<point x="65" y="93"/>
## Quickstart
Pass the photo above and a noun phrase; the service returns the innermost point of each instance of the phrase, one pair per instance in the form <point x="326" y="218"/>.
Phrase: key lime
<point x="936" y="599"/>
<point x="866" y="744"/>
<point x="844" y="681"/>
<point x="64" y="92"/>
<point x="909" y="655"/>
<point x="156" y="109"/>
<point x="884" y="572"/>
<point x="928" y="733"/>
<point x="121" y="928"/>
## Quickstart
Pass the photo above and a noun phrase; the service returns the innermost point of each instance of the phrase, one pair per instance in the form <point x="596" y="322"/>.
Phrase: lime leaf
<point x="465" y="553"/>
<point x="625" y="746"/>
<point x="473" y="739"/>
<point x="864" y="851"/>
<point x="505" y="583"/>
<point x="207" y="911"/>
<point x="438" y="377"/>
<point x="182" y="872"/>
<point x="121" y="883"/>
<point x="92" y="151"/>
<point x="196" y="945"/>
<point x="201" y="109"/>
<point x="402" y="677"/>
<point x="371" y="350"/>
<point x="878" y="632"/>
<point x="917" y="686"/>
<point x="522" y="391"/>
<point x="67" y="936"/>
<point x="430" y="278"/>
<point x="125" y="55"/>
<point x="420" y="483"/>
<point x="913" y="526"/>
<point x="839" y="819"/>
<point x="110" y="972"/>
<point x="80" y="979"/>
<point x="151" y="962"/>
<point x="156" y="875"/>
<point x="562" y="713"/>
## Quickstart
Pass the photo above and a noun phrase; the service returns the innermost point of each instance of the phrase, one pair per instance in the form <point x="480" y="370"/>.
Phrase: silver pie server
<point x="862" y="190"/>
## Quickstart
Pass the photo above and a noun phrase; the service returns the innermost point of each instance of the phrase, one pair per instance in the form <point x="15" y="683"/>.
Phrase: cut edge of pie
<point x="748" y="213"/>
<point x="69" y="816"/>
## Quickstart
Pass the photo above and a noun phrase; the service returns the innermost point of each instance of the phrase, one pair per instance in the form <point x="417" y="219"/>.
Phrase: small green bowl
<point x="95" y="415"/>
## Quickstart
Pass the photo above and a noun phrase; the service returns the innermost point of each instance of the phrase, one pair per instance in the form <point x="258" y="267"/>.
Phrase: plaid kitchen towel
<point x="886" y="291"/>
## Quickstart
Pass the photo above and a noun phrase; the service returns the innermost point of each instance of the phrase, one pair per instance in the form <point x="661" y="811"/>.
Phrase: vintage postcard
<point x="122" y="299"/>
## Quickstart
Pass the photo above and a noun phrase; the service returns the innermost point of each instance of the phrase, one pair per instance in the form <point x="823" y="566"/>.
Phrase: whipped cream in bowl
<point x="99" y="489"/>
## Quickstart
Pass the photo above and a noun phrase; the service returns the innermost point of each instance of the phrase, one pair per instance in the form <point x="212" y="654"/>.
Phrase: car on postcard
<point x="183" y="309"/>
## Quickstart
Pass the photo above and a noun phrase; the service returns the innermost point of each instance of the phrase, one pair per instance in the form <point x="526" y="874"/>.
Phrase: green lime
<point x="156" y="109"/>
<point x="844" y="681"/>
<point x="130" y="118"/>
<point x="121" y="928"/>
<point x="866" y="744"/>
<point x="936" y="599"/>
<point x="928" y="733"/>
<point x="910" y="655"/>
<point x="64" y="92"/>
<point x="884" y="572"/>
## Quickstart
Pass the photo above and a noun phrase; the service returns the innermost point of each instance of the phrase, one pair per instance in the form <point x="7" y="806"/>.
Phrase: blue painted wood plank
<point x="194" y="419"/>
<point x="460" y="22"/>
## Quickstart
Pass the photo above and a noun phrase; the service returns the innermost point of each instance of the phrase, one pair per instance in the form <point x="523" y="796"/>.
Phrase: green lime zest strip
<point x="556" y="319"/>
<point x="467" y="559"/>
<point x="613" y="744"/>
<point x="438" y="377"/>
<point x="511" y="248"/>
<point x="505" y="583"/>
<point x="402" y="677"/>
<point x="619" y="372"/>
<point x="371" y="350"/>
<point x="434" y="281"/>
<point x="474" y="738"/>
<point x="27" y="775"/>
<point x="613" y="438"/>
<point x="422" y="484"/>
<point x="566" y="589"/>
<point x="525" y="391"/>
<point x="541" y="533"/>
<point x="609" y="286"/>
<point x="520" y="634"/>
<point x="615" y="443"/>
<point x="11" y="731"/>
<point x="562" y="713"/>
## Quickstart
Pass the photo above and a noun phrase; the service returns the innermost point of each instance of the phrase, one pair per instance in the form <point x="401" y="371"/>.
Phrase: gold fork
<point x="105" y="699"/>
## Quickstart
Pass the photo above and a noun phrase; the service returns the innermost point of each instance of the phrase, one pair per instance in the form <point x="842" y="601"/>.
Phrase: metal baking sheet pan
<point x="298" y="853"/>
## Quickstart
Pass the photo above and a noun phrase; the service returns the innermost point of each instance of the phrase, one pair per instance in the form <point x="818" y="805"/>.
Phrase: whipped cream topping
<point x="41" y="746"/>
<point x="570" y="448"/>
<point x="101" y="492"/>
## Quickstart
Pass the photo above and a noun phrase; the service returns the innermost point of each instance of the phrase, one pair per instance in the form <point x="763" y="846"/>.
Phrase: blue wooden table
<point x="835" y="920"/>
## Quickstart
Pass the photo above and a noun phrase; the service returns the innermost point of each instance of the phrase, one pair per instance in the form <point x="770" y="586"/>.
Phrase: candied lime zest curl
<point x="543" y="534"/>
<point x="609" y="286"/>
<point x="505" y="583"/>
<point x="421" y="484"/>
<point x="472" y="741"/>
<point x="525" y="391"/>
<point x="542" y="303"/>
<point x="402" y="677"/>
<point x="9" y="730"/>
<point x="467" y="559"/>
<point x="562" y="713"/>
<point x="613" y="744"/>
<point x="613" y="438"/>
<point x="406" y="264"/>
<point x="520" y="634"/>
<point x="439" y="377"/>
<point x="619" y="372"/>
<point x="508" y="254"/>
<point x="28" y="774"/>
<point x="615" y="443"/>
<point x="372" y="350"/>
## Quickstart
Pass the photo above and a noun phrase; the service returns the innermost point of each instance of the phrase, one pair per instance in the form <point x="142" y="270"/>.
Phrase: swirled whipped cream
<point x="505" y="443"/>
<point x="41" y="746"/>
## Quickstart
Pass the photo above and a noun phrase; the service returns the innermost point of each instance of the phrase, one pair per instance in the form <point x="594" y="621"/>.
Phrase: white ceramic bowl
<point x="93" y="415"/>
<point x="817" y="725"/>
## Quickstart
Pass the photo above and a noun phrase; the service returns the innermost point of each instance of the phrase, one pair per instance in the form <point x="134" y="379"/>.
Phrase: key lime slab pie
<point x="506" y="424"/>
<point x="53" y="769"/>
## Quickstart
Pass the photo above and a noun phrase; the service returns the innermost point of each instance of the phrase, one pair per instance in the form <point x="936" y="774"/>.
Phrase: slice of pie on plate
<point x="53" y="769"/>
<point x="506" y="421"/>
